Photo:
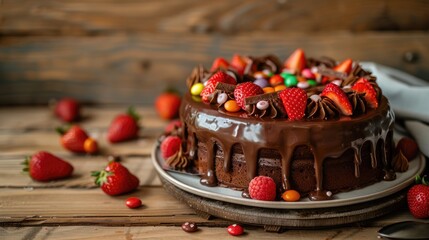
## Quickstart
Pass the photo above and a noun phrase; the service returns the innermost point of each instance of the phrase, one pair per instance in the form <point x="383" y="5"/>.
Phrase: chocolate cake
<point x="313" y="125"/>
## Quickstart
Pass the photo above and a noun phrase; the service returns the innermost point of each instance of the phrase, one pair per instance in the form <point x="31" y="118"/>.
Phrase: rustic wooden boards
<point x="128" y="52"/>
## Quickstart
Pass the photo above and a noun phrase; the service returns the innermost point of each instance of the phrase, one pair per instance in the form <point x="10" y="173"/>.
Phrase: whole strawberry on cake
<point x="313" y="125"/>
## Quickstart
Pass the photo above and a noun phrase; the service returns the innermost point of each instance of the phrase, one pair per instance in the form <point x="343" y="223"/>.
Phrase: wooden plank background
<point x="122" y="52"/>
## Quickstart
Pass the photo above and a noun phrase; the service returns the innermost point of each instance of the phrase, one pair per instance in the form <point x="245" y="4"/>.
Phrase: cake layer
<point x="311" y="156"/>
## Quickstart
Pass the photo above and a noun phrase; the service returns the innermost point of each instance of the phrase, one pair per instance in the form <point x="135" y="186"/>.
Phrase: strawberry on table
<point x="418" y="198"/>
<point x="210" y="85"/>
<point x="44" y="166"/>
<point x="116" y="179"/>
<point x="75" y="139"/>
<point x="67" y="109"/>
<point x="167" y="105"/>
<point x="295" y="101"/>
<point x="296" y="61"/>
<point x="364" y="86"/>
<point x="244" y="90"/>
<point x="124" y="127"/>
<point x="339" y="97"/>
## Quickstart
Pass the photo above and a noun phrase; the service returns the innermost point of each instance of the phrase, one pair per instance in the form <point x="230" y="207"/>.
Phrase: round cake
<point x="312" y="125"/>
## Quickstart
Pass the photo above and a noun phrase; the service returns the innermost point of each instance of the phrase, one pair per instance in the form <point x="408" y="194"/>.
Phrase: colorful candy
<point x="196" y="89"/>
<point x="261" y="82"/>
<point x="231" y="106"/>
<point x="291" y="196"/>
<point x="291" y="81"/>
<point x="222" y="98"/>
<point x="279" y="88"/>
<point x="262" y="105"/>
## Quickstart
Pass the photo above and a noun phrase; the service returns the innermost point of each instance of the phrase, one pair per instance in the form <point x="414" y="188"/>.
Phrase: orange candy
<point x="268" y="89"/>
<point x="90" y="146"/>
<point x="231" y="106"/>
<point x="291" y="196"/>
<point x="279" y="87"/>
<point x="276" y="80"/>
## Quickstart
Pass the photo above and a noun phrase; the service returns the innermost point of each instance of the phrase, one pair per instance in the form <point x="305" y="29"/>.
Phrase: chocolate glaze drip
<point x="205" y="124"/>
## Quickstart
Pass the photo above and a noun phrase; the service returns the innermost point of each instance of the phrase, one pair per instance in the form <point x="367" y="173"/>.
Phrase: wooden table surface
<point x="76" y="209"/>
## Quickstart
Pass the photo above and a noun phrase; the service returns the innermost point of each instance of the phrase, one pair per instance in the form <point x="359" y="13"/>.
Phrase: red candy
<point x="235" y="230"/>
<point x="133" y="202"/>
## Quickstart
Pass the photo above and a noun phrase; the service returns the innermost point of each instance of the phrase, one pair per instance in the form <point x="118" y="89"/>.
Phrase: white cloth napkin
<point x="408" y="97"/>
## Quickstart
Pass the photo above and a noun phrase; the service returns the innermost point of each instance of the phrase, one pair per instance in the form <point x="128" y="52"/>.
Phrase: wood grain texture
<point x="162" y="232"/>
<point x="135" y="68"/>
<point x="221" y="16"/>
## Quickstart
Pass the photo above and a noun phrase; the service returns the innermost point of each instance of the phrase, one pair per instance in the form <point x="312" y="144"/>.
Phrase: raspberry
<point x="262" y="188"/>
<point x="170" y="146"/>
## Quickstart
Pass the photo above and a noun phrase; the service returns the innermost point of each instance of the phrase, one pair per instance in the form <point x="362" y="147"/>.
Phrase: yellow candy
<point x="231" y="106"/>
<point x="197" y="88"/>
<point x="268" y="89"/>
<point x="279" y="88"/>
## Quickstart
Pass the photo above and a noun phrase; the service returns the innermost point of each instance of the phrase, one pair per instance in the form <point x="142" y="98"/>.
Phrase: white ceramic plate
<point x="191" y="184"/>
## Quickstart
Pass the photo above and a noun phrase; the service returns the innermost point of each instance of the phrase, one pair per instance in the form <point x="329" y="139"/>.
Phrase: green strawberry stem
<point x="100" y="176"/>
<point x="422" y="180"/>
<point x="62" y="129"/>
<point x="132" y="112"/>
<point x="26" y="164"/>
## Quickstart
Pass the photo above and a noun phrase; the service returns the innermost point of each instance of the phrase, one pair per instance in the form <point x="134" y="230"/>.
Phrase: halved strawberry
<point x="244" y="90"/>
<point x="363" y="86"/>
<point x="211" y="84"/>
<point x="238" y="63"/>
<point x="345" y="66"/>
<point x="339" y="97"/>
<point x="295" y="101"/>
<point x="219" y="63"/>
<point x="296" y="61"/>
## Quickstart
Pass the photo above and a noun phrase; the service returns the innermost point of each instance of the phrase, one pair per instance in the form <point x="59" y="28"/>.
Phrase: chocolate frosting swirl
<point x="400" y="163"/>
<point x="274" y="110"/>
<point x="178" y="161"/>
<point x="323" y="109"/>
<point x="358" y="102"/>
<point x="197" y="76"/>
<point x="269" y="62"/>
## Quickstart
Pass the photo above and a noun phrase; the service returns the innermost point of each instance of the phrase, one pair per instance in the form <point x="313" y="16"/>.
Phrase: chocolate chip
<point x="189" y="227"/>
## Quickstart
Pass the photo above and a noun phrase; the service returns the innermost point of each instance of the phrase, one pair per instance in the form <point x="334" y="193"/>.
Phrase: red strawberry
<point x="339" y="97"/>
<point x="170" y="146"/>
<point x="116" y="179"/>
<point x="73" y="139"/>
<point x="210" y="86"/>
<point x="124" y="127"/>
<point x="244" y="90"/>
<point x="172" y="126"/>
<point x="363" y="86"/>
<point x="167" y="105"/>
<point x="418" y="198"/>
<point x="219" y="63"/>
<point x="238" y="63"/>
<point x="345" y="66"/>
<point x="296" y="61"/>
<point x="44" y="166"/>
<point x="295" y="101"/>
<point x="67" y="109"/>
<point x="262" y="188"/>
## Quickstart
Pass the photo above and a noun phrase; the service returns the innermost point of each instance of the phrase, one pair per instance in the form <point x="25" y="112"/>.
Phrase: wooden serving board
<point x="279" y="219"/>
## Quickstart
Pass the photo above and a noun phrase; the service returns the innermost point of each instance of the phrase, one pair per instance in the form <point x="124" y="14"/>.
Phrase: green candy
<point x="311" y="82"/>
<point x="284" y="75"/>
<point x="291" y="81"/>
